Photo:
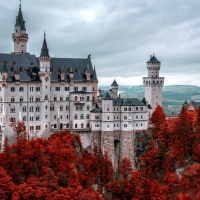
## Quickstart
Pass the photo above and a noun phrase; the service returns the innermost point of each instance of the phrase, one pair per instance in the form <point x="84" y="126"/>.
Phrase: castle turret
<point x="20" y="37"/>
<point x="114" y="87"/>
<point x="153" y="83"/>
<point x="45" y="77"/>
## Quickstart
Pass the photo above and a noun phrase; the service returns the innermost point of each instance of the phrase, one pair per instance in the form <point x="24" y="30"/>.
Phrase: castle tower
<point x="153" y="83"/>
<point x="45" y="77"/>
<point x="114" y="87"/>
<point x="95" y="87"/>
<point x="20" y="37"/>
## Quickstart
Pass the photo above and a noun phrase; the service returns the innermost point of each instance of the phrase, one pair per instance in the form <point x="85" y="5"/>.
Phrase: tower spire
<point x="44" y="50"/>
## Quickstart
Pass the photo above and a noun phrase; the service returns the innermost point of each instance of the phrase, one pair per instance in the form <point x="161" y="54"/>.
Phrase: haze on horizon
<point x="119" y="35"/>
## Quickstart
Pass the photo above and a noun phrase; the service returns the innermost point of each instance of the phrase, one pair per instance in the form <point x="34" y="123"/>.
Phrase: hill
<point x="173" y="95"/>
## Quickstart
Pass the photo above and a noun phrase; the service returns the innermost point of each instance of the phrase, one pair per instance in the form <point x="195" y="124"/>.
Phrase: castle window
<point x="46" y="97"/>
<point x="37" y="128"/>
<point x="12" y="89"/>
<point x="55" y="98"/>
<point x="37" y="118"/>
<point x="125" y="117"/>
<point x="21" y="89"/>
<point x="117" y="125"/>
<point x="24" y="109"/>
<point x="96" y="117"/>
<point x="21" y="99"/>
<point x="77" y="70"/>
<point x="37" y="99"/>
<point x="75" y="98"/>
<point x="107" y="118"/>
<point x="97" y="125"/>
<point x="12" y="69"/>
<point x="12" y="99"/>
<point x="82" y="116"/>
<point x="107" y="126"/>
<point x="114" y="108"/>
<point x="61" y="98"/>
<point x="67" y="107"/>
<point x="117" y="117"/>
<point x="117" y="108"/>
<point x="141" y="116"/>
<point x="66" y="88"/>
<point x="141" y="124"/>
<point x="129" y="109"/>
<point x="88" y="107"/>
<point x="136" y="125"/>
<point x="67" y="125"/>
<point x="46" y="126"/>
<point x="87" y="116"/>
<point x="88" y="125"/>
<point x="52" y="108"/>
<point x="55" y="125"/>
<point x="24" y="118"/>
<point x="84" y="88"/>
<point x="31" y="109"/>
<point x="136" y="108"/>
<point x="82" y="99"/>
<point x="31" y="118"/>
<point x="76" y="126"/>
<point x="31" y="89"/>
<point x="81" y="125"/>
<point x="67" y="116"/>
<point x="31" y="99"/>
<point x="75" y="89"/>
<point x="38" y="109"/>
<point x="136" y="117"/>
<point x="61" y="108"/>
<point x="57" y="88"/>
<point x="60" y="116"/>
<point x="37" y="89"/>
<point x="107" y="109"/>
<point x="67" y="98"/>
<point x="21" y="69"/>
<point x="12" y="110"/>
<point x="46" y="116"/>
<point x="141" y="108"/>
<point x="114" y="117"/>
<point x="31" y="128"/>
<point x="125" y="125"/>
<point x="46" y="107"/>
<point x="75" y="116"/>
<point x="88" y="98"/>
<point x="12" y="119"/>
<point x="125" y="109"/>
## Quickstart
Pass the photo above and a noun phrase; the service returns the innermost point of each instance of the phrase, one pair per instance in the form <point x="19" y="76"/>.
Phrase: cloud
<point x="120" y="35"/>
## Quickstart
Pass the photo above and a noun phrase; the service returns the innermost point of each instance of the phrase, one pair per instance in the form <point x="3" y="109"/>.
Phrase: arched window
<point x="67" y="98"/>
<point x="108" y="118"/>
<point x="52" y="107"/>
<point x="75" y="98"/>
<point x="38" y="109"/>
<point x="76" y="126"/>
<point x="24" y="118"/>
<point x="81" y="125"/>
<point x="61" y="108"/>
<point x="12" y="89"/>
<point x="55" y="98"/>
<point x="31" y="99"/>
<point x="37" y="98"/>
<point x="31" y="109"/>
<point x="82" y="116"/>
<point x="21" y="89"/>
<point x="21" y="99"/>
<point x="12" y="99"/>
<point x="61" y="98"/>
<point x="46" y="97"/>
<point x="37" y="118"/>
<point x="12" y="109"/>
<point x="75" y="116"/>
<point x="24" y="109"/>
<point x="88" y="98"/>
<point x="87" y="116"/>
<point x="67" y="107"/>
<point x="88" y="125"/>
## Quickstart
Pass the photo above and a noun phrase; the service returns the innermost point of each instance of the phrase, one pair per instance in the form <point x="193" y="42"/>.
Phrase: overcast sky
<point x="120" y="35"/>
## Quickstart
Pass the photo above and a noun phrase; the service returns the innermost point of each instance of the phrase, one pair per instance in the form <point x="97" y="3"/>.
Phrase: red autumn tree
<point x="18" y="127"/>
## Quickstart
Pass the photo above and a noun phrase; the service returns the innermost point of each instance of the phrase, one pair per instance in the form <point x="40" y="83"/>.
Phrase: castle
<point x="52" y="94"/>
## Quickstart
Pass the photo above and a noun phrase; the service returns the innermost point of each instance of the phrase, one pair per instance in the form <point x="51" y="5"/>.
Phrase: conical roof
<point x="19" y="20"/>
<point x="153" y="59"/>
<point x="114" y="83"/>
<point x="94" y="74"/>
<point x="107" y="97"/>
<point x="44" y="50"/>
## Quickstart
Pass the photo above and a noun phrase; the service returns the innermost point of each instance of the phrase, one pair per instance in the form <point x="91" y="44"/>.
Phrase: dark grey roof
<point x="149" y="106"/>
<point x="20" y="21"/>
<point x="4" y="68"/>
<point x="132" y="102"/>
<point x="107" y="97"/>
<point x="185" y="102"/>
<point x="94" y="74"/>
<point x="44" y="50"/>
<point x="114" y="83"/>
<point x="153" y="60"/>
<point x="26" y="61"/>
<point x="97" y="110"/>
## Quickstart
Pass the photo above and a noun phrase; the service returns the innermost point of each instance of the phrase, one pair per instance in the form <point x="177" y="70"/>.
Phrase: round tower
<point x="153" y="84"/>
<point x="20" y="37"/>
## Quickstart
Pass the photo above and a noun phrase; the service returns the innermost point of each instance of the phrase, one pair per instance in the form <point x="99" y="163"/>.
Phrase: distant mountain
<point x="173" y="95"/>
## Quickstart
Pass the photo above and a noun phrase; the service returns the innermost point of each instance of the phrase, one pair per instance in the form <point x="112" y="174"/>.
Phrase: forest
<point x="59" y="168"/>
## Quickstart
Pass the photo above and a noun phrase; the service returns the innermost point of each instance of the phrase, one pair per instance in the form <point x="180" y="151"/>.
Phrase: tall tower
<point x="20" y="37"/>
<point x="45" y="77"/>
<point x="114" y="87"/>
<point x="153" y="83"/>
